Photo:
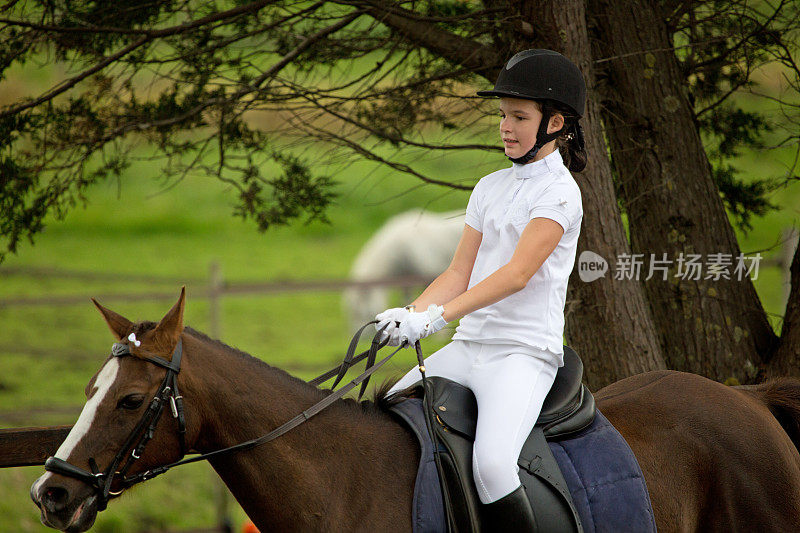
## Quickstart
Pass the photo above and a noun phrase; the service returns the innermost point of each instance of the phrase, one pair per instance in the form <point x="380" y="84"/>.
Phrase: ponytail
<point x="572" y="147"/>
<point x="570" y="142"/>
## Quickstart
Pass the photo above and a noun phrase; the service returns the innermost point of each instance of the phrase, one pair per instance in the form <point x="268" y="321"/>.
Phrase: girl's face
<point x="519" y="123"/>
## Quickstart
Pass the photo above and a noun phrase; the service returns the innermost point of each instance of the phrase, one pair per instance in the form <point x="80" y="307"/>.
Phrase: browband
<point x="121" y="349"/>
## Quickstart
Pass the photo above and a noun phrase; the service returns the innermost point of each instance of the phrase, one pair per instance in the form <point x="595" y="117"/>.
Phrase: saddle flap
<point x="455" y="406"/>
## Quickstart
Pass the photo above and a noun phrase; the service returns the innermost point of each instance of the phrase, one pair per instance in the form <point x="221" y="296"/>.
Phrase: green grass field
<point x="48" y="353"/>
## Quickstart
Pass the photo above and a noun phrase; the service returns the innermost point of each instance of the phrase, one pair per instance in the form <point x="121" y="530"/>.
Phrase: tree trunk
<point x="714" y="328"/>
<point x="607" y="322"/>
<point x="786" y="361"/>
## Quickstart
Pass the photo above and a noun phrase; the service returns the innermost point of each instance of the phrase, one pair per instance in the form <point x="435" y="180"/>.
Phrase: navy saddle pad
<point x="602" y="474"/>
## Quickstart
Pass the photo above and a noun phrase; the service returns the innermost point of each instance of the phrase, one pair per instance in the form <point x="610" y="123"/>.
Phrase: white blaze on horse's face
<point x="105" y="379"/>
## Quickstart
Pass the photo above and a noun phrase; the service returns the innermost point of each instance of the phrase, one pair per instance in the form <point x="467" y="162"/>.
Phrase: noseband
<point x="101" y="481"/>
<point x="134" y="445"/>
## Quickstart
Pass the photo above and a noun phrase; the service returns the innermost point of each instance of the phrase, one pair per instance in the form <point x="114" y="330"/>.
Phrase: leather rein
<point x="167" y="392"/>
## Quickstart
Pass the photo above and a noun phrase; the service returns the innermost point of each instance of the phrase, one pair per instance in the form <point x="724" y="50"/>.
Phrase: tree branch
<point x="393" y="137"/>
<point x="304" y="45"/>
<point x="148" y="36"/>
<point x="253" y="87"/>
<point x="172" y="30"/>
<point x="360" y="149"/>
<point x="478" y="58"/>
<point x="730" y="50"/>
<point x="68" y="84"/>
<point x="721" y="99"/>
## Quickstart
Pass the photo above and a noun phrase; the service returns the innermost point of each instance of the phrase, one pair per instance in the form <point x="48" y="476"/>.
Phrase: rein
<point x="102" y="481"/>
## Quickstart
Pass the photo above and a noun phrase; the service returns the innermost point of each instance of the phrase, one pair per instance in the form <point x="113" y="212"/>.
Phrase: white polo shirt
<point x="500" y="207"/>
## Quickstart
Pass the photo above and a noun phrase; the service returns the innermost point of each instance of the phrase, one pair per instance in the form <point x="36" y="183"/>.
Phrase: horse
<point x="714" y="457"/>
<point x="413" y="243"/>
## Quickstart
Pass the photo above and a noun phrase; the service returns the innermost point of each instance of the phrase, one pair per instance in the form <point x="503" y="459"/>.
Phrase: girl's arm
<point x="538" y="240"/>
<point x="455" y="279"/>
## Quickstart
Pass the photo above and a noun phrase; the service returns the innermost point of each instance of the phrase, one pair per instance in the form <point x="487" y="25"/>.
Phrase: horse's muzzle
<point x="64" y="509"/>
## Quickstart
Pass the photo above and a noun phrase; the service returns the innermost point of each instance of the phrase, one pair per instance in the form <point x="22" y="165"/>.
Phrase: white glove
<point x="391" y="318"/>
<point x="419" y="325"/>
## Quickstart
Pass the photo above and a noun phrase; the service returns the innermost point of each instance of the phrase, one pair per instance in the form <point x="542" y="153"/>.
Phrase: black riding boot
<point x="510" y="514"/>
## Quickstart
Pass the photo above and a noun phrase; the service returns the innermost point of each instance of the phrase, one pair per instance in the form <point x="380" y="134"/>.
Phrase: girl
<point x="507" y="281"/>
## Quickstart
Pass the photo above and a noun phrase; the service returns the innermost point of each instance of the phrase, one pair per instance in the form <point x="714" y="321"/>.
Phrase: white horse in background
<point x="414" y="243"/>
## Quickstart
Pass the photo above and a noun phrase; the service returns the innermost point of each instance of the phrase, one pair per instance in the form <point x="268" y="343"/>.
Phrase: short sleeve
<point x="474" y="216"/>
<point x="561" y="202"/>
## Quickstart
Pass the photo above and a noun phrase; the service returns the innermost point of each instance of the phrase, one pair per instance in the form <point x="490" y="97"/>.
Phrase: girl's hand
<point x="419" y="325"/>
<point x="391" y="318"/>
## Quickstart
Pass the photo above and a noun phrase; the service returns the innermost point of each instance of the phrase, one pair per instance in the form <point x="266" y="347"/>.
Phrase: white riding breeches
<point x="510" y="383"/>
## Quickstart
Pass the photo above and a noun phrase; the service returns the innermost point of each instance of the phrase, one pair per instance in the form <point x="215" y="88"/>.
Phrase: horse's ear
<point x="171" y="326"/>
<point x="118" y="324"/>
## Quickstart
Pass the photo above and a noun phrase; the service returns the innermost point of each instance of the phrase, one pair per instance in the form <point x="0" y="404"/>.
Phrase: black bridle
<point x="134" y="445"/>
<point x="141" y="434"/>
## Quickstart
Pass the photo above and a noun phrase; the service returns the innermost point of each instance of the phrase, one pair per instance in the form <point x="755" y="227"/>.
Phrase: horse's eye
<point x="131" y="401"/>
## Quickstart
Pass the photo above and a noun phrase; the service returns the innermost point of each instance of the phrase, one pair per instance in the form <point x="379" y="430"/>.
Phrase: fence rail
<point x="30" y="446"/>
<point x="90" y="275"/>
<point x="224" y="289"/>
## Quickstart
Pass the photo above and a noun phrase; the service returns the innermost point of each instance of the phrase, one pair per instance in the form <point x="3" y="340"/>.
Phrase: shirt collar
<point x="549" y="163"/>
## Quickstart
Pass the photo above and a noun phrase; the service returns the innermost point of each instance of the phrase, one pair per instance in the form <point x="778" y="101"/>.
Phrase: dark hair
<point x="570" y="143"/>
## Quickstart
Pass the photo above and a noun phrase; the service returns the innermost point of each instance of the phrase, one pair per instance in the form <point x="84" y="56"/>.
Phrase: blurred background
<point x="276" y="294"/>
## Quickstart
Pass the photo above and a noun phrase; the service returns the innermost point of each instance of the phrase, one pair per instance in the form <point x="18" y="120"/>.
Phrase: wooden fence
<point x="30" y="446"/>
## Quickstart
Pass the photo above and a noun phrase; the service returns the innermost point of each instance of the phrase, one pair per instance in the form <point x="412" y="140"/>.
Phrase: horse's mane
<point x="246" y="356"/>
<point x="382" y="398"/>
<point x="371" y="406"/>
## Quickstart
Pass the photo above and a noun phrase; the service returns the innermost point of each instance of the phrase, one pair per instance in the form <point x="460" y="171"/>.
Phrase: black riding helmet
<point x="541" y="74"/>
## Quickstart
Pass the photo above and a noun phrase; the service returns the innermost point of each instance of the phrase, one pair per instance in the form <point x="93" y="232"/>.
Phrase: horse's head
<point x="125" y="401"/>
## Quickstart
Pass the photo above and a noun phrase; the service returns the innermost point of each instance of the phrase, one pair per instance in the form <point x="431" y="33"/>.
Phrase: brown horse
<point x="715" y="458"/>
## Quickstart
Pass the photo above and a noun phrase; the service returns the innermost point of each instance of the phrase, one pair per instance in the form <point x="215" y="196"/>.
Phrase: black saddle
<point x="568" y="408"/>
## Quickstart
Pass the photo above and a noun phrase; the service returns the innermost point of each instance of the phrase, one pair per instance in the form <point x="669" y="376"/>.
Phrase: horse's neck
<point x="335" y="471"/>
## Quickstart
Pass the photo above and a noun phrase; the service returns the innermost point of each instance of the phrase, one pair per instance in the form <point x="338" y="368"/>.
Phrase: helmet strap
<point x="542" y="138"/>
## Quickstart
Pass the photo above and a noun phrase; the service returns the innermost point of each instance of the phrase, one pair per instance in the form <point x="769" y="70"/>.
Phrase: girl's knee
<point x="494" y="471"/>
